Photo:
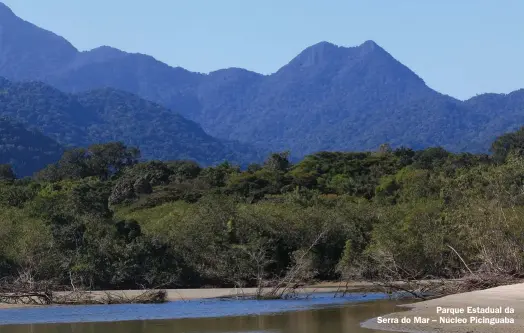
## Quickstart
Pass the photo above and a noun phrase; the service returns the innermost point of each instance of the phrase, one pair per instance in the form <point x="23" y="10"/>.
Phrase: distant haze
<point x="460" y="48"/>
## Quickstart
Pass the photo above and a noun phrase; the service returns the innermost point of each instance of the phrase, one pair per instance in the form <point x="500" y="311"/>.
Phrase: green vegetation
<point x="101" y="116"/>
<point x="26" y="150"/>
<point x="100" y="219"/>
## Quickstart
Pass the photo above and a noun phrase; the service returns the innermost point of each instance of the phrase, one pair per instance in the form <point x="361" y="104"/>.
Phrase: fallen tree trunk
<point x="27" y="298"/>
<point x="27" y="292"/>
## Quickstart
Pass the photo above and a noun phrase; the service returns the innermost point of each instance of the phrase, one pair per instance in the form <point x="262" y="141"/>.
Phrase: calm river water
<point x="320" y="313"/>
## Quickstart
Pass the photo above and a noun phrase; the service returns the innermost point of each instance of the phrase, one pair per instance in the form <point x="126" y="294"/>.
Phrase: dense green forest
<point x="129" y="208"/>
<point x="99" y="218"/>
<point x="105" y="115"/>
<point x="26" y="150"/>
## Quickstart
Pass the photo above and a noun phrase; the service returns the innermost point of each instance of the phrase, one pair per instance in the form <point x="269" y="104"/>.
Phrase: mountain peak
<point x="322" y="47"/>
<point x="323" y="44"/>
<point x="328" y="54"/>
<point x="370" y="46"/>
<point x="5" y="11"/>
<point x="5" y="8"/>
<point x="315" y="54"/>
<point x="106" y="48"/>
<point x="29" y="52"/>
<point x="105" y="51"/>
<point x="369" y="43"/>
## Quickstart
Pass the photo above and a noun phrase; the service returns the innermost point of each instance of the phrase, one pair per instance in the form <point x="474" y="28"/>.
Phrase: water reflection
<point x="340" y="319"/>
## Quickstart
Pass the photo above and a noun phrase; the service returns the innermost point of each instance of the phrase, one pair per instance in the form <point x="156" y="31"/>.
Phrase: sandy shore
<point x="206" y="293"/>
<point x="496" y="298"/>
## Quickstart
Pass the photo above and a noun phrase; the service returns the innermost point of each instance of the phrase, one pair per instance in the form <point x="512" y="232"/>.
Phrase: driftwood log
<point x="30" y="293"/>
<point x="27" y="298"/>
<point x="25" y="291"/>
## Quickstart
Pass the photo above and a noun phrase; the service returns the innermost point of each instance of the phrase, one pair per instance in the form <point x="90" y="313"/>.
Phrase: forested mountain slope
<point x="326" y="98"/>
<point x="105" y="115"/>
<point x="26" y="150"/>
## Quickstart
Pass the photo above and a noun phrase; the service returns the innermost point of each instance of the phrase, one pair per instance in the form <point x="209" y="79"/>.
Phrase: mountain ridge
<point x="108" y="114"/>
<point x="328" y="97"/>
<point x="367" y="44"/>
<point x="27" y="48"/>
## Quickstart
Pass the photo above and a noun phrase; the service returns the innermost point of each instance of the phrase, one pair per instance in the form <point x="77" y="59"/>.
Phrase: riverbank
<point x="444" y="314"/>
<point x="207" y="293"/>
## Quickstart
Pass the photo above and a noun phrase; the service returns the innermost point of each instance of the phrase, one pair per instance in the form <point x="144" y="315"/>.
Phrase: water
<point x="318" y="314"/>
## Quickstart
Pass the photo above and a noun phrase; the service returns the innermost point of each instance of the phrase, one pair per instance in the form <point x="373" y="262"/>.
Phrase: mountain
<point x="327" y="98"/>
<point x="111" y="115"/>
<point x="28" y="52"/>
<point x="503" y="113"/>
<point x="26" y="150"/>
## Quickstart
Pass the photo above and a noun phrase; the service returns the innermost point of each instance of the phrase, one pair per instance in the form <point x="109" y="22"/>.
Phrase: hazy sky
<point x="459" y="47"/>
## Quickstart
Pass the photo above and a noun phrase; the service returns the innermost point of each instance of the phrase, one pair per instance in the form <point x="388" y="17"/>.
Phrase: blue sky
<point x="459" y="47"/>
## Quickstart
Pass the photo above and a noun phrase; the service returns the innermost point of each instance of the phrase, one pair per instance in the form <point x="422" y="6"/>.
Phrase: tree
<point x="7" y="173"/>
<point x="384" y="149"/>
<point x="90" y="198"/>
<point x="217" y="176"/>
<point x="100" y="160"/>
<point x="341" y="184"/>
<point x="278" y="162"/>
<point x="183" y="170"/>
<point x="405" y="155"/>
<point x="253" y="167"/>
<point x="430" y="158"/>
<point x="73" y="164"/>
<point x="507" y="143"/>
<point x="106" y="160"/>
